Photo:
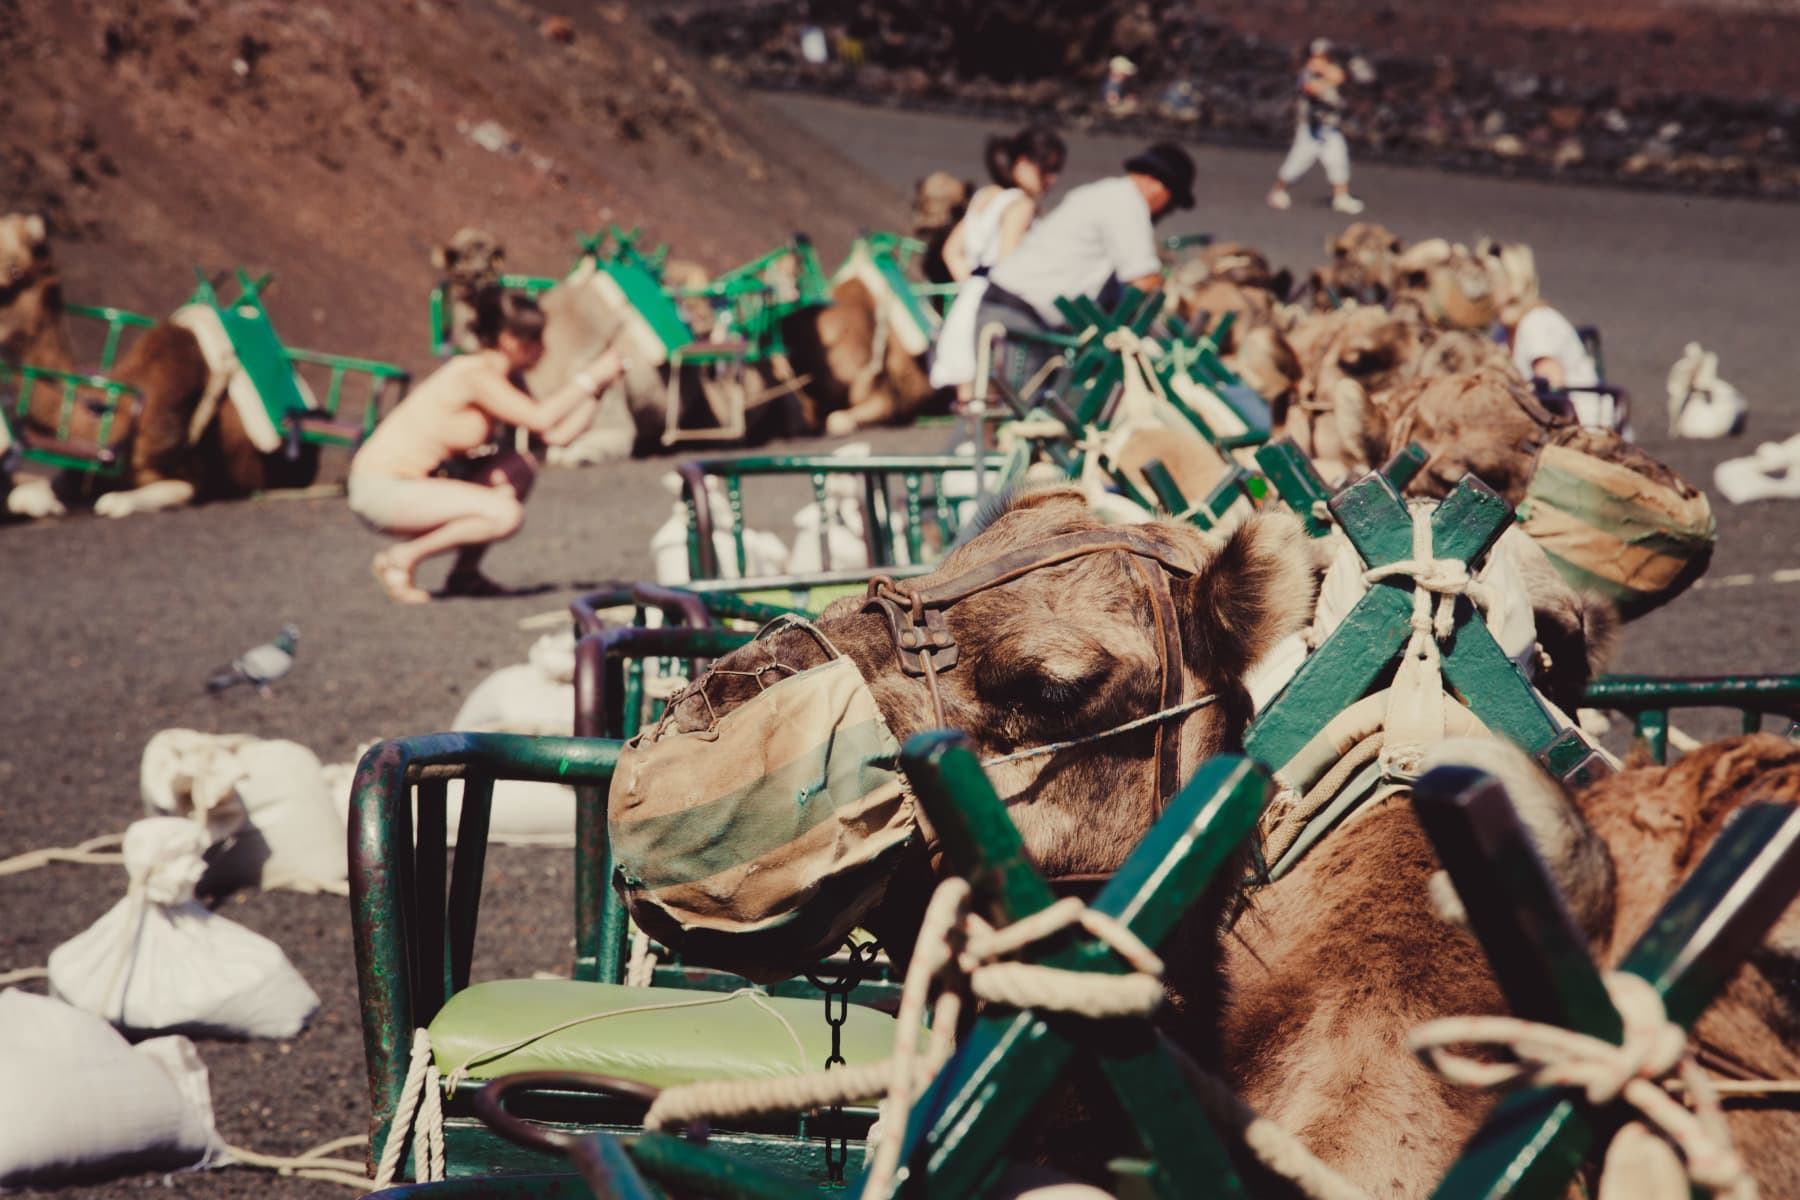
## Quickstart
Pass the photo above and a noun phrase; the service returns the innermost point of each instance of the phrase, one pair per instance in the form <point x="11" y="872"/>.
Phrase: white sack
<point x="765" y="553"/>
<point x="159" y="961"/>
<point x="83" y="1104"/>
<point x="263" y="802"/>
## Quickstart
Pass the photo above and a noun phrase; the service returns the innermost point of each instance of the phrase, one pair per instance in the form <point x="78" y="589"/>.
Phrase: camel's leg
<point x="151" y="497"/>
<point x="33" y="496"/>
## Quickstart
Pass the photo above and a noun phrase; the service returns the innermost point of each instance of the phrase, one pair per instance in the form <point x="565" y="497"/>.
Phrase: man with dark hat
<point x="1100" y="233"/>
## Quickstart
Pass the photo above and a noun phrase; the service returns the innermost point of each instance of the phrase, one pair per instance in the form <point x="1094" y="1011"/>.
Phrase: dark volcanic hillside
<point x="334" y="141"/>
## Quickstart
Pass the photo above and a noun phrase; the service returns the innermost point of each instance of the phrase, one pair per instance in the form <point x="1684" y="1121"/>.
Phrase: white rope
<point x="86" y="853"/>
<point x="23" y="974"/>
<point x="1415" y="715"/>
<point x="310" y="1164"/>
<point x="640" y="967"/>
<point x="1653" y="1050"/>
<point x="410" y="1118"/>
<point x="956" y="943"/>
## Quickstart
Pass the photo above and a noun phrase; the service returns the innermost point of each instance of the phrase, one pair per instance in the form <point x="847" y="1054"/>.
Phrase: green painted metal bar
<point x="1341" y="671"/>
<point x="1405" y="466"/>
<point x="695" y="1170"/>
<point x="391" y="937"/>
<point x="1168" y="492"/>
<point x="1535" y="1140"/>
<point x="1515" y="910"/>
<point x="1008" y="1062"/>
<point x="1297" y="482"/>
<point x="464" y="908"/>
<point x="492" y="1187"/>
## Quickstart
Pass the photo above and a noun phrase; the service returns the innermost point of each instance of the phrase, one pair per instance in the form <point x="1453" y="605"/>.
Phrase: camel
<point x="186" y="441"/>
<point x="1034" y="667"/>
<point x="1316" y="1005"/>
<point x="939" y="201"/>
<point x="860" y="371"/>
<point x="1658" y="821"/>
<point x="473" y="259"/>
<point x="1370" y="266"/>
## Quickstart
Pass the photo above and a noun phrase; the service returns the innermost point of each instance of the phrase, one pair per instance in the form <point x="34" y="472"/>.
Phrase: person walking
<point x="1317" y="138"/>
<point x="392" y="486"/>
<point x="1023" y="167"/>
<point x="1101" y="233"/>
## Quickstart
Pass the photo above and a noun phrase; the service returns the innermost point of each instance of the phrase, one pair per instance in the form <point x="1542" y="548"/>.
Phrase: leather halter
<point x="924" y="645"/>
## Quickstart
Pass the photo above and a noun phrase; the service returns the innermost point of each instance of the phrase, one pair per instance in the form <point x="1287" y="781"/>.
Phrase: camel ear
<point x="497" y="260"/>
<point x="1257" y="589"/>
<point x="442" y="257"/>
<point x="35" y="233"/>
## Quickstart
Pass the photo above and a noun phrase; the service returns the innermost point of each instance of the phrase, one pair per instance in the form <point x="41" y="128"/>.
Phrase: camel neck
<point x="41" y="338"/>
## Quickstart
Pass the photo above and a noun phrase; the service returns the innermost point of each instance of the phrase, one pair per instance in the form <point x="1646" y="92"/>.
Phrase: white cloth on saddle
<point x="226" y="377"/>
<point x="1509" y="618"/>
<point x="953" y="359"/>
<point x="1772" y="473"/>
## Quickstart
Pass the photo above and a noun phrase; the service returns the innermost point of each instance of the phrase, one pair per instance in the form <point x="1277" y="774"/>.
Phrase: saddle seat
<point x="659" y="1036"/>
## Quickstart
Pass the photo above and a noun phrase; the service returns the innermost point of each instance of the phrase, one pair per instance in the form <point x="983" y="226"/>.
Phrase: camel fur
<point x="174" y="457"/>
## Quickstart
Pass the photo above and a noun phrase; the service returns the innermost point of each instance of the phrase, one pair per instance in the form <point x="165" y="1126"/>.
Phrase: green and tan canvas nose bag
<point x="757" y="842"/>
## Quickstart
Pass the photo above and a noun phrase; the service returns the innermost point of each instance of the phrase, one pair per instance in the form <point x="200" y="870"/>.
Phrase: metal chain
<point x="836" y="992"/>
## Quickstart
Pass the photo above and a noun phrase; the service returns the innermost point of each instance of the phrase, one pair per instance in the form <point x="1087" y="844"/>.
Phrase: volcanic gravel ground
<point x="110" y="628"/>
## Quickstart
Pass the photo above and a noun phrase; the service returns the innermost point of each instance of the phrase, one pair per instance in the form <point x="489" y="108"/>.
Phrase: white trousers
<point x="1327" y="146"/>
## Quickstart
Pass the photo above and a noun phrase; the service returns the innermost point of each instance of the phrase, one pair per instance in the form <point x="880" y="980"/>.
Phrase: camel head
<point x="1448" y="285"/>
<point x="1360" y="264"/>
<point x="26" y="271"/>
<point x="1049" y="654"/>
<point x="939" y="201"/>
<point x="1487" y="423"/>
<point x="469" y="261"/>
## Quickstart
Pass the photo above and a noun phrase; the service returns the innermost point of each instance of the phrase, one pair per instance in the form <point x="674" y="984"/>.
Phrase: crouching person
<point x="461" y="409"/>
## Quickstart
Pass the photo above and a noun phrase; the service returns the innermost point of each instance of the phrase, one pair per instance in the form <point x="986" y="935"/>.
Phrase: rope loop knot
<point x="1652" y="1057"/>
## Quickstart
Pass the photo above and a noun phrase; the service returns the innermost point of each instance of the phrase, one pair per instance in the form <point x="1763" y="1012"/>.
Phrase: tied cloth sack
<point x="160" y="962"/>
<point x="754" y="839"/>
<point x="1617" y="522"/>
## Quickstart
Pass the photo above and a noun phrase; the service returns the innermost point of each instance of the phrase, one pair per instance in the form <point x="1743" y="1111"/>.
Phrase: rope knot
<point x="1651" y="1057"/>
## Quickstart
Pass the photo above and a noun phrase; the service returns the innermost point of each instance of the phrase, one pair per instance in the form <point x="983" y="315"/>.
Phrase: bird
<point x="260" y="665"/>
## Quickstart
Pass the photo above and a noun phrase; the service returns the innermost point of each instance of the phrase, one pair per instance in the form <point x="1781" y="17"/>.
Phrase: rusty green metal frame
<point x="1648" y="700"/>
<point x="875" y="473"/>
<point x="1535" y="1140"/>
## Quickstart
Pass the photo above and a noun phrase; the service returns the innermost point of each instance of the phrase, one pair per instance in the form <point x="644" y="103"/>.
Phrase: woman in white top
<point x="1544" y="344"/>
<point x="1023" y="167"/>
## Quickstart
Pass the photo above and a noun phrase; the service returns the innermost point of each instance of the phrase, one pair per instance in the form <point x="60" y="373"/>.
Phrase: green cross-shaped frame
<point x="1376" y="631"/>
<point x="1536" y="1139"/>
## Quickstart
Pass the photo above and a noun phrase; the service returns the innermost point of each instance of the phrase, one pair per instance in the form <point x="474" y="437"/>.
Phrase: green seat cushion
<point x="657" y="1036"/>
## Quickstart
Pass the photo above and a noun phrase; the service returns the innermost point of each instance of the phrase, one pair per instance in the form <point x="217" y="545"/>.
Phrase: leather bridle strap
<point x="924" y="645"/>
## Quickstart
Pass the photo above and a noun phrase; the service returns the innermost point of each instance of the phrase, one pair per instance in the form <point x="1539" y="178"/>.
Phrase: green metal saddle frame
<point x="272" y="367"/>
<point x="1531" y="1146"/>
<point x="114" y="403"/>
<point x="415" y="909"/>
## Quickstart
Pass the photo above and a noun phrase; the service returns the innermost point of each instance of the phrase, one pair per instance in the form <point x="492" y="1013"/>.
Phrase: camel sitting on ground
<point x="187" y="440"/>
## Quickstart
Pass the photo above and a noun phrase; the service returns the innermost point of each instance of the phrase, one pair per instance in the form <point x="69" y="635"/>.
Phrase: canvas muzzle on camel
<point x="756" y="842"/>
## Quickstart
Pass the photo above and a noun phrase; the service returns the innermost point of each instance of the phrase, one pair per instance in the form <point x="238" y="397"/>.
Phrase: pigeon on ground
<point x="260" y="665"/>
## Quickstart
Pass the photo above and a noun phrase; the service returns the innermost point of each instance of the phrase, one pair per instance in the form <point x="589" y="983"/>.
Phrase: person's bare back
<point x="440" y="419"/>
